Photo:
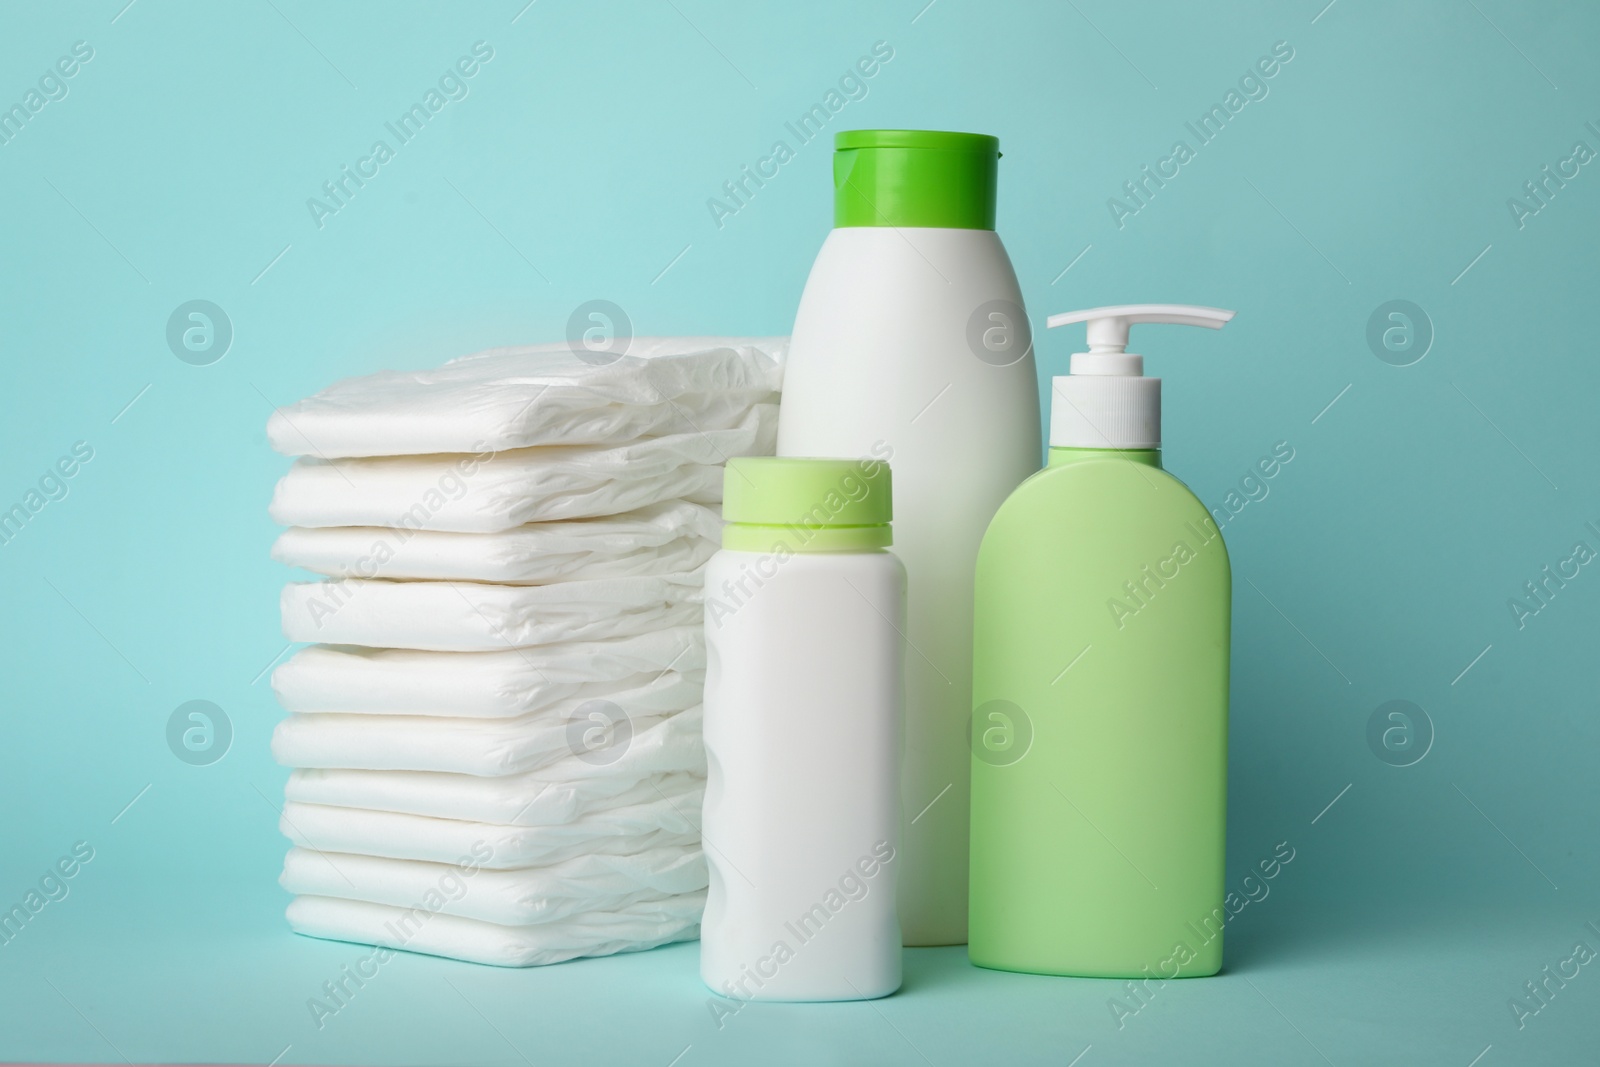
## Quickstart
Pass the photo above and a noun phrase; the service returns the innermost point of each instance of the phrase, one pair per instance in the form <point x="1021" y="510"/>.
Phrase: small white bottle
<point x="805" y="611"/>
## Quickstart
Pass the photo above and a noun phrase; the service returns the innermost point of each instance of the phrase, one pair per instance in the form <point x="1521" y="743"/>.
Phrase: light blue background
<point x="579" y="167"/>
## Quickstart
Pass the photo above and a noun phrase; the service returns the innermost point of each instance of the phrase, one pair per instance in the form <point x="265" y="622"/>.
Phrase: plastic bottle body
<point x="1101" y="708"/>
<point x="910" y="345"/>
<point x="803" y="708"/>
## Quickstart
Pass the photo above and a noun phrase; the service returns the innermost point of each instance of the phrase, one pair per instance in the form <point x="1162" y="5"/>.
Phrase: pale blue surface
<point x="1377" y="168"/>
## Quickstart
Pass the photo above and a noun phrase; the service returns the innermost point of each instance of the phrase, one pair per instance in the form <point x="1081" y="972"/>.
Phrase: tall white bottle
<point x="804" y="666"/>
<point x="911" y="344"/>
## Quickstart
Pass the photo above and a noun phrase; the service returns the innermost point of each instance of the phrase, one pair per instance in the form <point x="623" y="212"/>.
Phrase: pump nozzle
<point x="1106" y="402"/>
<point x="1108" y="326"/>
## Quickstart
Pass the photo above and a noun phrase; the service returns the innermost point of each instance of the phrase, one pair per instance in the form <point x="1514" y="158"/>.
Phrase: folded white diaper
<point x="522" y="897"/>
<point x="530" y="799"/>
<point x="636" y="927"/>
<point x="662" y="712"/>
<point x="481" y="617"/>
<point x="624" y="831"/>
<point x="506" y="398"/>
<point x="485" y="492"/>
<point x="663" y="538"/>
<point x="503" y="684"/>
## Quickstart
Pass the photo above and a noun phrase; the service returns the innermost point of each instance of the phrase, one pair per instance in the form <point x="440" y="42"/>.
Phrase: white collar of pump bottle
<point x="1105" y="410"/>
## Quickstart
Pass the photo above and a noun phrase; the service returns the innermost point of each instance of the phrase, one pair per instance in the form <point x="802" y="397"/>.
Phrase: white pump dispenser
<point x="1106" y="402"/>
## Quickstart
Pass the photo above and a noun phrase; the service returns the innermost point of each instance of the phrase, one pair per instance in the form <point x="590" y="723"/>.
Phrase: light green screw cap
<point x="914" y="178"/>
<point x="806" y="505"/>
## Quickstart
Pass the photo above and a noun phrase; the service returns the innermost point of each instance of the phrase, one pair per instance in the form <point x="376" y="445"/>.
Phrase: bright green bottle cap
<point x="806" y="505"/>
<point x="914" y="178"/>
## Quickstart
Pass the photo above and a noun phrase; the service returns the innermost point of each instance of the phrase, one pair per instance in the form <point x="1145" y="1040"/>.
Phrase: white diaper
<point x="484" y="492"/>
<point x="536" y="798"/>
<point x="644" y="925"/>
<point x="503" y="684"/>
<point x="663" y="538"/>
<point x="523" y="897"/>
<point x="481" y="617"/>
<point x="658" y="713"/>
<point x="506" y="398"/>
<point x="624" y="831"/>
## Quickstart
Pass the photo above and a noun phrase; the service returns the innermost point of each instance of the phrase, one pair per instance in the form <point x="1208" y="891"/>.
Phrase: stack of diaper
<point x="495" y="735"/>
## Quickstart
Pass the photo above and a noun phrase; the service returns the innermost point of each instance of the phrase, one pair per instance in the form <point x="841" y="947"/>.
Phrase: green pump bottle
<point x="1100" y="691"/>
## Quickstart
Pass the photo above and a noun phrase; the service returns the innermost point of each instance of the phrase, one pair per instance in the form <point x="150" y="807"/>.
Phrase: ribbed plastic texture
<point x="1105" y="411"/>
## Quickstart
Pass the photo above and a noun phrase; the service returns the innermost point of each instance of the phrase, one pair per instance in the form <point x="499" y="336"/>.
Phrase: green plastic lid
<point x="806" y="505"/>
<point x="914" y="178"/>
